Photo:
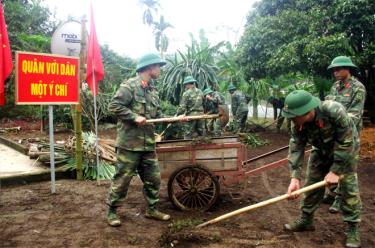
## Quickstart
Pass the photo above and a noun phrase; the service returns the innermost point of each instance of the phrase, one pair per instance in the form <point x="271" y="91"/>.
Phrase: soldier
<point x="278" y="103"/>
<point x="334" y="157"/>
<point x="240" y="108"/>
<point x="192" y="104"/>
<point x="135" y="102"/>
<point x="213" y="100"/>
<point x="351" y="93"/>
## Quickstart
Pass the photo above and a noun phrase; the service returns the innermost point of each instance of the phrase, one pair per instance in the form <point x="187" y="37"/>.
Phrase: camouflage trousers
<point x="317" y="169"/>
<point x="214" y="126"/>
<point x="240" y="122"/>
<point x="196" y="127"/>
<point x="129" y="163"/>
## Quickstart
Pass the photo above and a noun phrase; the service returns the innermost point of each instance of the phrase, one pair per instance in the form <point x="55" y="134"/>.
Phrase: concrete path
<point x="14" y="163"/>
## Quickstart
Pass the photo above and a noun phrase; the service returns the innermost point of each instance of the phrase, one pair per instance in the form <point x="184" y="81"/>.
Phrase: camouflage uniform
<point x="192" y="104"/>
<point x="135" y="144"/>
<point x="352" y="96"/>
<point x="335" y="148"/>
<point x="240" y="110"/>
<point x="212" y="107"/>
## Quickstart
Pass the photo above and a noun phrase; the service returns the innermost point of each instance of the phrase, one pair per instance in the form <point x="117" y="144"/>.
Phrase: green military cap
<point x="149" y="59"/>
<point x="298" y="103"/>
<point x="207" y="91"/>
<point x="189" y="80"/>
<point x="232" y="87"/>
<point x="341" y="61"/>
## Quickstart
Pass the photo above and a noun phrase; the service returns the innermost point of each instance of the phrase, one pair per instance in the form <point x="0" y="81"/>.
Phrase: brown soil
<point x="75" y="217"/>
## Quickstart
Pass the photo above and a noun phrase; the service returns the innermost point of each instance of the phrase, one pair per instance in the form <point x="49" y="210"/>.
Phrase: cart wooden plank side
<point x="195" y="171"/>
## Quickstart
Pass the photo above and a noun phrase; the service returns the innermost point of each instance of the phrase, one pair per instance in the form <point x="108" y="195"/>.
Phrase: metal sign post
<point x="52" y="148"/>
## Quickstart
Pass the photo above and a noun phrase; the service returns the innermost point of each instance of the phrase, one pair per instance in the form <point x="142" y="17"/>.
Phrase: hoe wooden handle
<point x="189" y="118"/>
<point x="262" y="204"/>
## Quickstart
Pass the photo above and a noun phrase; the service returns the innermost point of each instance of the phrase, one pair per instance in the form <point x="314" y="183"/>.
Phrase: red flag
<point x="5" y="55"/>
<point x="94" y="59"/>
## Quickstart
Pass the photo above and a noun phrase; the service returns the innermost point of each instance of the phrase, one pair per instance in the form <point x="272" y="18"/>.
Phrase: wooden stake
<point x="78" y="110"/>
<point x="189" y="118"/>
<point x="262" y="204"/>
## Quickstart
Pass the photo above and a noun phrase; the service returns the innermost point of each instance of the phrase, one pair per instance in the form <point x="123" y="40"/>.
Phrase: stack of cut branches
<point x="65" y="155"/>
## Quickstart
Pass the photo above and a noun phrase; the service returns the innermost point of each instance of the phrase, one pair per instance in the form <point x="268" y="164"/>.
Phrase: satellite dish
<point x="66" y="40"/>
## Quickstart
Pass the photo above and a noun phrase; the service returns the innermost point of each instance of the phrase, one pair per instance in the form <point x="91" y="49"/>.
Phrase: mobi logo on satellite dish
<point x="66" y="40"/>
<point x="71" y="38"/>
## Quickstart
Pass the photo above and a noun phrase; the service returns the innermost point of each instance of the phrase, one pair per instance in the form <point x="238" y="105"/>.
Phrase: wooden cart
<point x="196" y="171"/>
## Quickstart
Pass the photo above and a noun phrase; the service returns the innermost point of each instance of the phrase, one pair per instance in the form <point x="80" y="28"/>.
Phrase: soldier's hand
<point x="331" y="178"/>
<point x="293" y="186"/>
<point x="183" y="118"/>
<point x="140" y="120"/>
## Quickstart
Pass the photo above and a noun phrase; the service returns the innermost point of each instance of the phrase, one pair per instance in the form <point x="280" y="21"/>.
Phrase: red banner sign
<point x="46" y="79"/>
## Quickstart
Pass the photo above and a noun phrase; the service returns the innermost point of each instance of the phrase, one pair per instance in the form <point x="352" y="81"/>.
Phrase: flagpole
<point x="96" y="123"/>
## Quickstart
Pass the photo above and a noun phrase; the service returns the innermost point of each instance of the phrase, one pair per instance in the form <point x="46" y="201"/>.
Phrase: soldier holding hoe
<point x="135" y="102"/>
<point x="192" y="104"/>
<point x="332" y="133"/>
<point x="239" y="107"/>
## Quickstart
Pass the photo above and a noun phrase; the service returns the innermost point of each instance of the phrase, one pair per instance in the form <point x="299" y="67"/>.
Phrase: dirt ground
<point x="75" y="217"/>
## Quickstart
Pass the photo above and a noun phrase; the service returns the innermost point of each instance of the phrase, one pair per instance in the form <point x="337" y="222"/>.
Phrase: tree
<point x="304" y="36"/>
<point x="151" y="8"/>
<point x="301" y="36"/>
<point x="29" y="26"/>
<point x="161" y="40"/>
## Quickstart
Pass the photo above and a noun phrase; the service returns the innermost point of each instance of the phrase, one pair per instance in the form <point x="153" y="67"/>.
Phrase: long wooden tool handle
<point x="189" y="118"/>
<point x="262" y="204"/>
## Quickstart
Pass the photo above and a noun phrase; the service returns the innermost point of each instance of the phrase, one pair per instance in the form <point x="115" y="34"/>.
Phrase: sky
<point x="119" y="22"/>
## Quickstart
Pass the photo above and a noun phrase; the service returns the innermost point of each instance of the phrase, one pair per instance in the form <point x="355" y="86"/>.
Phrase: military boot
<point x="352" y="237"/>
<point x="157" y="215"/>
<point x="304" y="223"/>
<point x="112" y="217"/>
<point x="335" y="207"/>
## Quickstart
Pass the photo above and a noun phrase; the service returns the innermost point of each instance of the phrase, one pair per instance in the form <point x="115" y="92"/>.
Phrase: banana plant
<point x="198" y="61"/>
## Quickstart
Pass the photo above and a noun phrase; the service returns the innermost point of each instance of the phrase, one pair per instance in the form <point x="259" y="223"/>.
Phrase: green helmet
<point x="149" y="59"/>
<point x="189" y="80"/>
<point x="232" y="87"/>
<point x="341" y="61"/>
<point x="298" y="103"/>
<point x="207" y="91"/>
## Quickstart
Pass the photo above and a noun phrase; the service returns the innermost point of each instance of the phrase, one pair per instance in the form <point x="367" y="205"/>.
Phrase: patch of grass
<point x="217" y="238"/>
<point x="253" y="140"/>
<point x="178" y="225"/>
<point x="133" y="240"/>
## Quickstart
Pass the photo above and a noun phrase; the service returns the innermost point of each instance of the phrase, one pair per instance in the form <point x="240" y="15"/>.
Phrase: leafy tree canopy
<point x="283" y="36"/>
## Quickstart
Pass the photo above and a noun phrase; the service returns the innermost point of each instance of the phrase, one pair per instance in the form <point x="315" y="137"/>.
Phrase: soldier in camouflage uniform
<point x="135" y="102"/>
<point x="239" y="107"/>
<point x="332" y="133"/>
<point x="213" y="100"/>
<point x="192" y="104"/>
<point x="351" y="93"/>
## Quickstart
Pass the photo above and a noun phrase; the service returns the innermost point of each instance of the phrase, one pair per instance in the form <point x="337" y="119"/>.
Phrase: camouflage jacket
<point x="191" y="102"/>
<point x="332" y="134"/>
<point x="239" y="103"/>
<point x="352" y="96"/>
<point x="212" y="106"/>
<point x="130" y="101"/>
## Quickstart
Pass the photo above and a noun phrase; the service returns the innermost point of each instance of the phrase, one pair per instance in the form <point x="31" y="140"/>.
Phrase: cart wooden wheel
<point x="193" y="188"/>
